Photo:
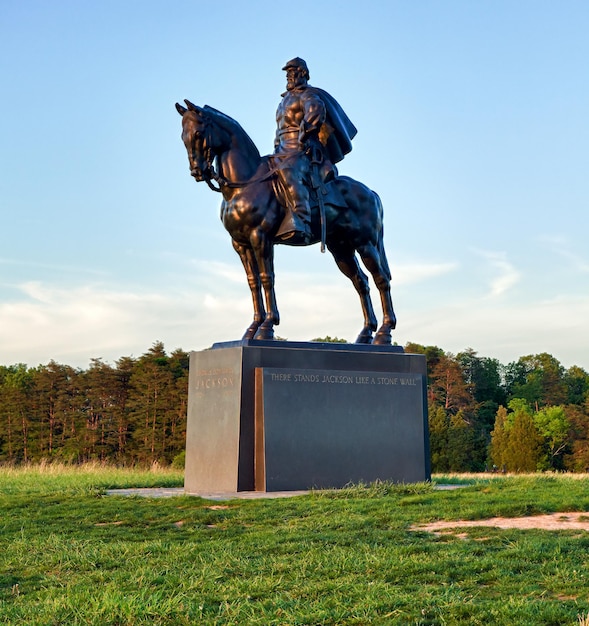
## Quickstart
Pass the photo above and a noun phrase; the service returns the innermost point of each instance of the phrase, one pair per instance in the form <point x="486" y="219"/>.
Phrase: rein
<point x="209" y="158"/>
<point x="244" y="183"/>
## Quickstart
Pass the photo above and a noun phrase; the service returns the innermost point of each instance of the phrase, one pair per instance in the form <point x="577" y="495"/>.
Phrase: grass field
<point x="71" y="555"/>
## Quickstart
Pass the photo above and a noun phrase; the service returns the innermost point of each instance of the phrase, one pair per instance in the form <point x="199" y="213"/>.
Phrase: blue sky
<point x="473" y="122"/>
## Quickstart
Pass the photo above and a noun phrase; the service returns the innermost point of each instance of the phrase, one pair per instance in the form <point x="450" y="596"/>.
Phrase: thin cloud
<point x="411" y="273"/>
<point x="561" y="246"/>
<point x="218" y="270"/>
<point x="77" y="324"/>
<point x="507" y="276"/>
<point x="73" y="269"/>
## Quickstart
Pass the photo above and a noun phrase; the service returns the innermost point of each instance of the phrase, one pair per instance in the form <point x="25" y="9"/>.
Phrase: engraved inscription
<point x="342" y="378"/>
<point x="215" y="378"/>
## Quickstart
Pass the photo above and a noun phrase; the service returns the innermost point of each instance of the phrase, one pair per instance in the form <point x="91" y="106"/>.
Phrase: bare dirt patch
<point x="551" y="521"/>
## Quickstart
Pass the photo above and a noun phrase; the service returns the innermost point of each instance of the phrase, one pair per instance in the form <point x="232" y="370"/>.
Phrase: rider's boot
<point x="293" y="230"/>
<point x="295" y="227"/>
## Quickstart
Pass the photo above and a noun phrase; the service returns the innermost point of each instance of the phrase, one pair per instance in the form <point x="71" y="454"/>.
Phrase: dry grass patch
<point x="550" y="521"/>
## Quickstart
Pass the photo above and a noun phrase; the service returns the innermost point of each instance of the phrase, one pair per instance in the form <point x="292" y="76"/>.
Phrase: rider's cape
<point x="339" y="142"/>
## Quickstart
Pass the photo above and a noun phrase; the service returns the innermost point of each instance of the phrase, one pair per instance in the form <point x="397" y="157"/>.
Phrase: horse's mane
<point x="231" y="126"/>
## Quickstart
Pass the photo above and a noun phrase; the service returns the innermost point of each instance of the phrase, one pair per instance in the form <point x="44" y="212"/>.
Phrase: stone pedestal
<point x="281" y="416"/>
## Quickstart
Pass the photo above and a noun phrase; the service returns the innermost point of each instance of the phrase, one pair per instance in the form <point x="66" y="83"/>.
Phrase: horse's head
<point x="196" y="138"/>
<point x="213" y="138"/>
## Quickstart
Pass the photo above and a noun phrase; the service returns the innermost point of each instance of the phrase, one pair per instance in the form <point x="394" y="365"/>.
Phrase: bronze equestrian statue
<point x="293" y="197"/>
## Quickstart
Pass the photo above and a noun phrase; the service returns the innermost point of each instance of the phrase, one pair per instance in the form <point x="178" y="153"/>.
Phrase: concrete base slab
<point x="168" y="492"/>
<point x="174" y="492"/>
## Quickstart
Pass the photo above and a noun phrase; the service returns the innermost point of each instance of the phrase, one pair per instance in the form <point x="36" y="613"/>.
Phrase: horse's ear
<point x="180" y="109"/>
<point x="192" y="107"/>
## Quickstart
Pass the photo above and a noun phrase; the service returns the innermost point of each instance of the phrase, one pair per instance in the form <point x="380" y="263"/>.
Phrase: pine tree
<point x="15" y="410"/>
<point x="151" y="403"/>
<point x="59" y="404"/>
<point x="460" y="444"/>
<point x="499" y="439"/>
<point x="523" y="452"/>
<point x="438" y="436"/>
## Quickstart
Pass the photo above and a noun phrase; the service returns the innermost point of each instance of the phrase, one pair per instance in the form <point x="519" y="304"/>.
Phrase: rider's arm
<point x="313" y="118"/>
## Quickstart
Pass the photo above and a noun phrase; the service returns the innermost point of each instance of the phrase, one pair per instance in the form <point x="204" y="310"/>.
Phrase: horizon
<point x="334" y="339"/>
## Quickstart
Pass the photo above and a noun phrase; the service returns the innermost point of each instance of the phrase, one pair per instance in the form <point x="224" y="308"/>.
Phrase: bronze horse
<point x="220" y="150"/>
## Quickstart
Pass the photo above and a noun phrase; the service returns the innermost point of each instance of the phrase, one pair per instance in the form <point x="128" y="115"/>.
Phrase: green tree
<point x="516" y="445"/>
<point x="438" y="437"/>
<point x="15" y="410"/>
<point x="577" y="459"/>
<point x="554" y="426"/>
<point x="461" y="445"/>
<point x="151" y="404"/>
<point x="328" y="339"/>
<point x="576" y="381"/>
<point x="176" y="436"/>
<point x="519" y="405"/>
<point x="540" y="380"/>
<point x="124" y="371"/>
<point x="499" y="439"/>
<point x="484" y="375"/>
<point x="106" y="427"/>
<point x="59" y="405"/>
<point x="524" y="451"/>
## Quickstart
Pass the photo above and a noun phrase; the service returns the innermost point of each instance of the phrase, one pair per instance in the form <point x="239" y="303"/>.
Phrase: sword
<point x="319" y="188"/>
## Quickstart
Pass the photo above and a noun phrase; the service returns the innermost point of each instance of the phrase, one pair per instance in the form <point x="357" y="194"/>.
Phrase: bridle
<point x="210" y="174"/>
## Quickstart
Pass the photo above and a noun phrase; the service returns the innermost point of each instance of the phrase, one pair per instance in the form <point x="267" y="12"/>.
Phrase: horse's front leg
<point x="264" y="252"/>
<point x="246" y="254"/>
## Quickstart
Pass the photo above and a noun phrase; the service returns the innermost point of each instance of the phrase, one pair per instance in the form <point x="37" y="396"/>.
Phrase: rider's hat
<point x="298" y="63"/>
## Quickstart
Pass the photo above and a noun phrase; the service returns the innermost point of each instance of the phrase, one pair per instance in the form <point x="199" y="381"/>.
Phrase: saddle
<point x="330" y="194"/>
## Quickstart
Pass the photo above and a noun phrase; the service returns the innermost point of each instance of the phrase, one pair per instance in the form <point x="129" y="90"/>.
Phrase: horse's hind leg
<point x="346" y="261"/>
<point x="246" y="254"/>
<point x="376" y="262"/>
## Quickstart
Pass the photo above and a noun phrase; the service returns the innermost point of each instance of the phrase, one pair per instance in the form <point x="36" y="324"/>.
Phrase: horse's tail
<point x="380" y="243"/>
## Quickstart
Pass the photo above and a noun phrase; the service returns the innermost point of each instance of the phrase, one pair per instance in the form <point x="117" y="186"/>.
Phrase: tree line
<point x="131" y="413"/>
<point x="531" y="414"/>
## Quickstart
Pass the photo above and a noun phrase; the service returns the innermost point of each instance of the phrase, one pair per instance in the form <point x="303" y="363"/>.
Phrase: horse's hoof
<point x="364" y="337"/>
<point x="383" y="337"/>
<point x="264" y="334"/>
<point x="250" y="333"/>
